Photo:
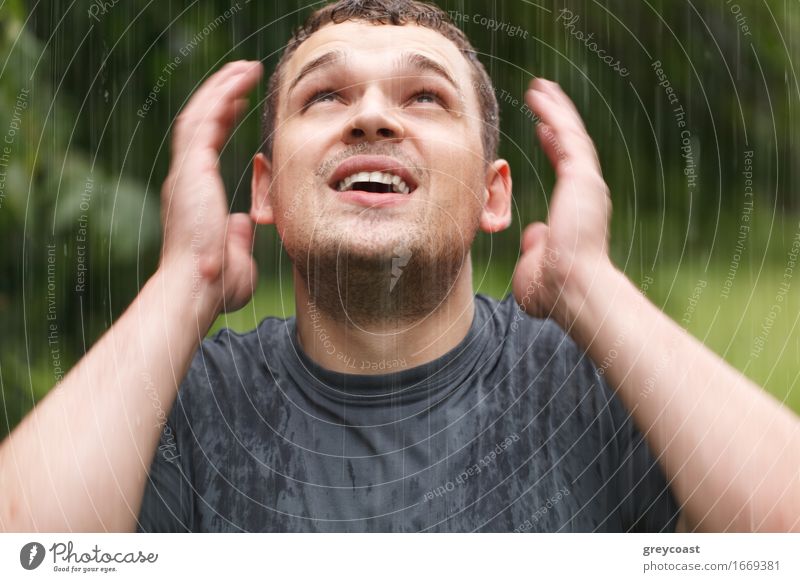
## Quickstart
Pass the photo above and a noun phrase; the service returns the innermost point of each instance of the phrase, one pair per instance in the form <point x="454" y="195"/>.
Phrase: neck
<point x="378" y="345"/>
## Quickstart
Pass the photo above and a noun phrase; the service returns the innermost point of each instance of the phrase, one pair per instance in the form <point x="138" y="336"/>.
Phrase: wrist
<point x="184" y="288"/>
<point x="585" y="293"/>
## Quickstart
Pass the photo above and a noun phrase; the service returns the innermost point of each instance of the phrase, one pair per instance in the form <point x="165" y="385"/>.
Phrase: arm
<point x="79" y="459"/>
<point x="730" y="451"/>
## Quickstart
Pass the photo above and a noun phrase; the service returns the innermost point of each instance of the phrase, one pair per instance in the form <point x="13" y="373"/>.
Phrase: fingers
<point x="555" y="92"/>
<point x="206" y="121"/>
<point x="561" y="131"/>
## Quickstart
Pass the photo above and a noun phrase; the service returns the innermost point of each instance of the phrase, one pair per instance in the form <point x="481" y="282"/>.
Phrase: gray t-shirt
<point x="512" y="430"/>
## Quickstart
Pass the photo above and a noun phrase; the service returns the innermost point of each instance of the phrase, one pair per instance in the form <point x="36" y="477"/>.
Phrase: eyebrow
<point x="415" y="61"/>
<point x="321" y="62"/>
<point x="423" y="64"/>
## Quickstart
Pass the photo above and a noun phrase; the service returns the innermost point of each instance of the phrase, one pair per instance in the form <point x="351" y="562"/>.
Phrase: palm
<point x="194" y="207"/>
<point x="576" y="233"/>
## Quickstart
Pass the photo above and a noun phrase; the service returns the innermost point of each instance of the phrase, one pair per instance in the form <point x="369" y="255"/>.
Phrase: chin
<point x="376" y="246"/>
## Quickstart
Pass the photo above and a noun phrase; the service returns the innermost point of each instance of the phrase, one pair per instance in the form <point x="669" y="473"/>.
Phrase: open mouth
<point x="375" y="183"/>
<point x="364" y="176"/>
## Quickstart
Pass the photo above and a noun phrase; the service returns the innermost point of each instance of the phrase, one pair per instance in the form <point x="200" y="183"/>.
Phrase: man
<point x="395" y="400"/>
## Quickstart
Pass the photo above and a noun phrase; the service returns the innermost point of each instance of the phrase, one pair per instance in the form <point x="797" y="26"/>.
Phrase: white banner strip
<point x="400" y="557"/>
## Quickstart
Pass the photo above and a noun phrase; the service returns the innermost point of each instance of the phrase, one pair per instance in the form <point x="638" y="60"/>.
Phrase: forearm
<point x="730" y="451"/>
<point x="79" y="460"/>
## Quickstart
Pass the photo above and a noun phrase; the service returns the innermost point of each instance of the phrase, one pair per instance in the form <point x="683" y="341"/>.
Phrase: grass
<point x="729" y="324"/>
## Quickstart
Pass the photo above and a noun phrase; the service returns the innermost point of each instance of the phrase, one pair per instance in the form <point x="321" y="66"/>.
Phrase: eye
<point x="320" y="96"/>
<point x="428" y="96"/>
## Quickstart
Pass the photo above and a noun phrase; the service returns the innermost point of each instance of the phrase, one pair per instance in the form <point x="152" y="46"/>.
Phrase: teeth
<point x="398" y="185"/>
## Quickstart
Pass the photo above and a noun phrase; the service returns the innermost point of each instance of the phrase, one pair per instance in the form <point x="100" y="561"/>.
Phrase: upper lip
<point x="372" y="164"/>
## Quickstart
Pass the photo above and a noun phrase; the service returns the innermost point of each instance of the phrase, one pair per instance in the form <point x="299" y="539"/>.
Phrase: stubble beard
<point x="381" y="273"/>
<point x="372" y="267"/>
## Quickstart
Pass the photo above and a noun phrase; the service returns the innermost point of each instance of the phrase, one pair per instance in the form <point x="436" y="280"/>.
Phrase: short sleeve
<point x="646" y="501"/>
<point x="167" y="506"/>
<point x="170" y="499"/>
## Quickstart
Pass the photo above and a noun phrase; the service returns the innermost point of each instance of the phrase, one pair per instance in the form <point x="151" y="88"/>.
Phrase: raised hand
<point x="200" y="237"/>
<point x="574" y="242"/>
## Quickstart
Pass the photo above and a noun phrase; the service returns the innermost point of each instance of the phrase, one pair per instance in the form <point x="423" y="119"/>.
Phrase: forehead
<point x="377" y="44"/>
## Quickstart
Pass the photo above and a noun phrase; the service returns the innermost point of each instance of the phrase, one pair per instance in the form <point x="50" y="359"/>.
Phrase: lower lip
<point x="372" y="200"/>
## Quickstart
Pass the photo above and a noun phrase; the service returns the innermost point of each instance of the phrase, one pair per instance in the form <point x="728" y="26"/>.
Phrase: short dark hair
<point x="397" y="13"/>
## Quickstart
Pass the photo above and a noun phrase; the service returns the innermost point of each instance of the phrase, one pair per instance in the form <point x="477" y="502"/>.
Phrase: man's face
<point x="377" y="151"/>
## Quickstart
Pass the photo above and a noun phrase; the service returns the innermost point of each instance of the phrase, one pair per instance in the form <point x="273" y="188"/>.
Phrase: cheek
<point x="457" y="147"/>
<point x="459" y="170"/>
<point x="291" y="199"/>
<point x="312" y="129"/>
<point x="294" y="164"/>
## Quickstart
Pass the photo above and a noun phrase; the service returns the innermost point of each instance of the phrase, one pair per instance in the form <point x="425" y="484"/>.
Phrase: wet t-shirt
<point x="514" y="429"/>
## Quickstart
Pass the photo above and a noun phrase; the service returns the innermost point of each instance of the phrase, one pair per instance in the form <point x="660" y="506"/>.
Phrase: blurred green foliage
<point x="79" y="214"/>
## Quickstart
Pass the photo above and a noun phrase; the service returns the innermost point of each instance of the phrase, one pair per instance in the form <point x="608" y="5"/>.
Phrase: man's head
<point x="396" y="13"/>
<point x="371" y="96"/>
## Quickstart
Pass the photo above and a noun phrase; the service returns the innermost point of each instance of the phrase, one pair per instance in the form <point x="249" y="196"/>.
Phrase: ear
<point x="496" y="215"/>
<point x="261" y="208"/>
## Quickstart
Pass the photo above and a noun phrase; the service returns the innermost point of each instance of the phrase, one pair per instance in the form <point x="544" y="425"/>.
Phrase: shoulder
<point x="232" y="346"/>
<point x="228" y="362"/>
<point x="542" y="338"/>
<point x="558" y="373"/>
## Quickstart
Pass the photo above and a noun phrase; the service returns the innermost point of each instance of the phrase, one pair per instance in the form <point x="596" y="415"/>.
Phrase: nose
<point x="373" y="120"/>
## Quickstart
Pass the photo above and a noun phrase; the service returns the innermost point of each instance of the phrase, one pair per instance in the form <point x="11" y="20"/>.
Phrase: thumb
<point x="535" y="236"/>
<point x="528" y="276"/>
<point x="240" y="232"/>
<point x="240" y="272"/>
